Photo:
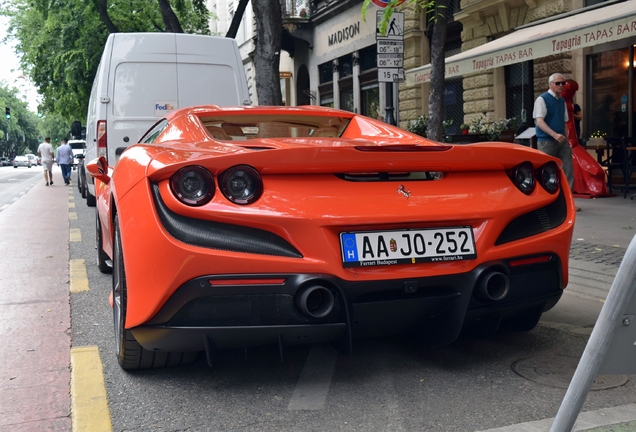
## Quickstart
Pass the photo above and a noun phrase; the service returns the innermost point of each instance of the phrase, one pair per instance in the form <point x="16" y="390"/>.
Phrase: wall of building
<point x="483" y="21"/>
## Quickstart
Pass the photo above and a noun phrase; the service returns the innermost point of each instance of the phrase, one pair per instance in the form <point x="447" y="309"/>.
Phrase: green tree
<point x="21" y="128"/>
<point x="436" y="11"/>
<point x="60" y="43"/>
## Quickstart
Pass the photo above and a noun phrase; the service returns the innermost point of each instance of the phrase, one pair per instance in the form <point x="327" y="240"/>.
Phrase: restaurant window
<point x="345" y="66"/>
<point x="608" y="93"/>
<point x="368" y="58"/>
<point x="369" y="86"/>
<point x="520" y="93"/>
<point x="454" y="104"/>
<point x="325" y="89"/>
<point x="325" y="72"/>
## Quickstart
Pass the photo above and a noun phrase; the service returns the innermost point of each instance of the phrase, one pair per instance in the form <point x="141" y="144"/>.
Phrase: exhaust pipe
<point x="493" y="285"/>
<point x="315" y="301"/>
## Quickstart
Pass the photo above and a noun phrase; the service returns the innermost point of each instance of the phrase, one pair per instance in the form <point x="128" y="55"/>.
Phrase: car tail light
<point x="102" y="147"/>
<point x="548" y="176"/>
<point x="193" y="185"/>
<point x="241" y="184"/>
<point x="523" y="177"/>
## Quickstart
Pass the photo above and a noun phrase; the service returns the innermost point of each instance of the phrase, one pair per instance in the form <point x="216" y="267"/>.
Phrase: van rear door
<point x="143" y="86"/>
<point x="210" y="70"/>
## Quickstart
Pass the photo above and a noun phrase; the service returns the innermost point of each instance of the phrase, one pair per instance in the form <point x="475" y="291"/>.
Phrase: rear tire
<point x="101" y="255"/>
<point x="131" y="355"/>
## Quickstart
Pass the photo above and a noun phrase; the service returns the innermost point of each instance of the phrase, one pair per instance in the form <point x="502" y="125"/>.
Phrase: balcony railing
<point x="296" y="8"/>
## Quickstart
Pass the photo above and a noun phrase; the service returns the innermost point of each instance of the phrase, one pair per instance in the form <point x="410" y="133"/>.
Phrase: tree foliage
<point x="60" y="42"/>
<point x="21" y="129"/>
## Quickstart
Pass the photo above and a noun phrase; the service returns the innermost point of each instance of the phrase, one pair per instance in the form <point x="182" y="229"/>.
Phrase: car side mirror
<point x="98" y="169"/>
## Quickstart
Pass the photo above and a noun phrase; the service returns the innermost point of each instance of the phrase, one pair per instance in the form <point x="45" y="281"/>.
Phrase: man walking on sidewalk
<point x="45" y="150"/>
<point x="65" y="160"/>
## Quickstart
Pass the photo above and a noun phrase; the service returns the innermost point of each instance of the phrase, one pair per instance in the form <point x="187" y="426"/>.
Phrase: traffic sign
<point x="390" y="60"/>
<point x="391" y="75"/>
<point x="395" y="28"/>
<point x="390" y="46"/>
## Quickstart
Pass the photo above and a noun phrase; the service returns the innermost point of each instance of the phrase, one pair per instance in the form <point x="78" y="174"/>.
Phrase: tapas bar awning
<point x="589" y="28"/>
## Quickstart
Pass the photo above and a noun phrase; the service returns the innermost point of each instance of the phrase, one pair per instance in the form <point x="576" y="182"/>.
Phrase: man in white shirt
<point x="45" y="150"/>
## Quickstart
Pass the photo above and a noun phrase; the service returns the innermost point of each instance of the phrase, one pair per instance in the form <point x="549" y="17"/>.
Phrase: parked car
<point x="33" y="158"/>
<point x="246" y="226"/>
<point x="4" y="161"/>
<point x="78" y="147"/>
<point x="21" y="161"/>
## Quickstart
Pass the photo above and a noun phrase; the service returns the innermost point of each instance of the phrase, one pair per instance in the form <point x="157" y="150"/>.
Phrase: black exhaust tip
<point x="493" y="285"/>
<point x="315" y="301"/>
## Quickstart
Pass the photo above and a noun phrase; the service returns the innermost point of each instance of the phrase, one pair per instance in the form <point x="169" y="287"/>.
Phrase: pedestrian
<point x="550" y="114"/>
<point x="578" y="116"/>
<point x="65" y="160"/>
<point x="45" y="150"/>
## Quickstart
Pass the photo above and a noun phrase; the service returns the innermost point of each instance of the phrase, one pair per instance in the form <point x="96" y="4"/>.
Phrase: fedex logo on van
<point x="163" y="107"/>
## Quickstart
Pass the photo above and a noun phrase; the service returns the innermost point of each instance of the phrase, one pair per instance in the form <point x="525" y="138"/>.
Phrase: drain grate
<point x="557" y="371"/>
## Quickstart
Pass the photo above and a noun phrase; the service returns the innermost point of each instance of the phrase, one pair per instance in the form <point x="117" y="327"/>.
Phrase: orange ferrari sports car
<point x="246" y="226"/>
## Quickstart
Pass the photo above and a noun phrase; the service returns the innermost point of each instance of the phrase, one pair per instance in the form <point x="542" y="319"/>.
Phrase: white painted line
<point x="315" y="379"/>
<point x="585" y="421"/>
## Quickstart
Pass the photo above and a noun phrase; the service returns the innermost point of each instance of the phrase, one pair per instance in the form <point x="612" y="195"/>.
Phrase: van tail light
<point x="102" y="148"/>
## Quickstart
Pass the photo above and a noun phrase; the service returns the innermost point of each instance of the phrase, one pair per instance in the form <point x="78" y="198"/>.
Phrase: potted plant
<point x="464" y="128"/>
<point x="597" y="139"/>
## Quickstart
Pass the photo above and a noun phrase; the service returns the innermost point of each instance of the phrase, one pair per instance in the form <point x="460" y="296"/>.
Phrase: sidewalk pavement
<point x="35" y="309"/>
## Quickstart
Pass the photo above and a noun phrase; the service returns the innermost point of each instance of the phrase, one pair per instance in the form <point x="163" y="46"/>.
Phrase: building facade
<point x="499" y="55"/>
<point x="510" y="48"/>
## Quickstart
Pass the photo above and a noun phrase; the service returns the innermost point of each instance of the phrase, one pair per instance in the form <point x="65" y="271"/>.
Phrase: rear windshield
<point x="236" y="128"/>
<point x="77" y="146"/>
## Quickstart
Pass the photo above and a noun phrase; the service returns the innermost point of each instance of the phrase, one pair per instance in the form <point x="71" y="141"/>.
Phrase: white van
<point x="142" y="76"/>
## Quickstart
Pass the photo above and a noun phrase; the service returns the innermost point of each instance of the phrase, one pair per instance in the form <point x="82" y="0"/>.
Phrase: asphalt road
<point x="389" y="384"/>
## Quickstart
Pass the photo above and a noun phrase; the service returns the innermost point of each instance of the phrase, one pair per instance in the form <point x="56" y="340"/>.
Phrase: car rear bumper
<point x="221" y="312"/>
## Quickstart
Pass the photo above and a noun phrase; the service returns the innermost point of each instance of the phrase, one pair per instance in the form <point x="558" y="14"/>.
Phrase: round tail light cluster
<point x="194" y="185"/>
<point x="526" y="178"/>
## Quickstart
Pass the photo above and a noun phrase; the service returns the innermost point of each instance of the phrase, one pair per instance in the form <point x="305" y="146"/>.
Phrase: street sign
<point x="390" y="60"/>
<point x="390" y="46"/>
<point x="395" y="28"/>
<point x="390" y="49"/>
<point x="391" y="75"/>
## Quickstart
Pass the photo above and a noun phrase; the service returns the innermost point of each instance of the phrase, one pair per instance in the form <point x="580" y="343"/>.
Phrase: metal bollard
<point x="610" y="318"/>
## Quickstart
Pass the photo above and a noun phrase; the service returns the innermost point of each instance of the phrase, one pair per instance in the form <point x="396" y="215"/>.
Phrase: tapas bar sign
<point x="606" y="24"/>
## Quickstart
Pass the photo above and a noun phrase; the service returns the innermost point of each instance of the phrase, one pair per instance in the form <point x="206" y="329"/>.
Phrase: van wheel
<point x="90" y="199"/>
<point x="102" y="258"/>
<point x="130" y="354"/>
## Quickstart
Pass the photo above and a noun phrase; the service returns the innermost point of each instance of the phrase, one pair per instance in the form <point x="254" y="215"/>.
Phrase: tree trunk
<point x="435" y="129"/>
<point x="236" y="19"/>
<point x="169" y="17"/>
<point x="102" y="9"/>
<point x="269" y="31"/>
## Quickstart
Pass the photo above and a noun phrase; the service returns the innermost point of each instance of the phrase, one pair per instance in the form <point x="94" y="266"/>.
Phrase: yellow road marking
<point x="89" y="401"/>
<point x="72" y="215"/>
<point x="79" y="278"/>
<point x="76" y="235"/>
<point x="71" y="205"/>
